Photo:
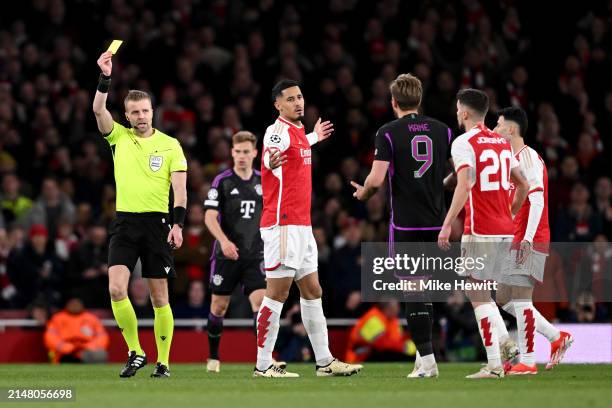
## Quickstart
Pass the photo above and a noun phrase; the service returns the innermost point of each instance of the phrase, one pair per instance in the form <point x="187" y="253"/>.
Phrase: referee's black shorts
<point x="144" y="236"/>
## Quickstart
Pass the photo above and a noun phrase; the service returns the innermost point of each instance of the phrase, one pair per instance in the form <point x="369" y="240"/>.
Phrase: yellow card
<point x="115" y="46"/>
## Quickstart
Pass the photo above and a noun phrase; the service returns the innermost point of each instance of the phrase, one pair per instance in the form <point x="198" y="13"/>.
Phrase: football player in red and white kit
<point x="290" y="250"/>
<point x="530" y="247"/>
<point x="484" y="165"/>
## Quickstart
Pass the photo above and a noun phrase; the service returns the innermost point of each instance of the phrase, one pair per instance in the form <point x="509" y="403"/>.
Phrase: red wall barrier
<point x="188" y="346"/>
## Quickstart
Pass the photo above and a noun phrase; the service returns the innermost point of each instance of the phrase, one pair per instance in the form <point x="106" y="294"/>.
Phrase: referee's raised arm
<point x="103" y="116"/>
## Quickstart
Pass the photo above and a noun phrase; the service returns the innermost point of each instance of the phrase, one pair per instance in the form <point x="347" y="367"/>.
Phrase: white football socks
<point x="500" y="326"/>
<point x="485" y="317"/>
<point x="543" y="326"/>
<point x="316" y="327"/>
<point x="268" y="323"/>
<point x="526" y="324"/>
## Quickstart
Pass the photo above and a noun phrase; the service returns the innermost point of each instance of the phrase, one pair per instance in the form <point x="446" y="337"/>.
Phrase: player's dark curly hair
<point x="474" y="99"/>
<point x="516" y="115"/>
<point x="281" y="85"/>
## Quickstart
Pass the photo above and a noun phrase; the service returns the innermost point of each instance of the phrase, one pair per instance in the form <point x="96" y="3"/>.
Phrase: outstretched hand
<point x="323" y="129"/>
<point x="105" y="63"/>
<point x="359" y="191"/>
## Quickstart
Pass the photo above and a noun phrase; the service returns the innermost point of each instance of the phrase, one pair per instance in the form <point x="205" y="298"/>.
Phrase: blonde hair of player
<point x="406" y="92"/>
<point x="244" y="136"/>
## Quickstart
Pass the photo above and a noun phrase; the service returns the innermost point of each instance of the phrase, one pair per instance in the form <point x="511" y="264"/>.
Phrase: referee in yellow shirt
<point x="146" y="163"/>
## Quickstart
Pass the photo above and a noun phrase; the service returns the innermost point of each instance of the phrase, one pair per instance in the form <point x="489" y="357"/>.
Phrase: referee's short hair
<point x="244" y="136"/>
<point x="474" y="99"/>
<point x="407" y="91"/>
<point x="135" y="95"/>
<point x="516" y="115"/>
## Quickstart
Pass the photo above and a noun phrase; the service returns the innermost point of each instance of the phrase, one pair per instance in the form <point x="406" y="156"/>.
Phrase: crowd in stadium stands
<point x="210" y="67"/>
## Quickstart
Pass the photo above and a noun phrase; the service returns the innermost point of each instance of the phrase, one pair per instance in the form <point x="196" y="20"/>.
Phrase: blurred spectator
<point x="88" y="269"/>
<point x="460" y="329"/>
<point x="578" y="222"/>
<point x="594" y="272"/>
<point x="7" y="290"/>
<point x="376" y="228"/>
<point x="549" y="137"/>
<point x="51" y="206"/>
<point x="603" y="204"/>
<point x="561" y="185"/>
<point x="35" y="269"/>
<point x="551" y="296"/>
<point x="65" y="241"/>
<point x="74" y="335"/>
<point x="378" y="336"/>
<point x="83" y="218"/>
<point x="440" y="101"/>
<point x="192" y="259"/>
<point x="589" y="157"/>
<point x="194" y="307"/>
<point x="516" y="87"/>
<point x="15" y="206"/>
<point x="346" y="267"/>
<point x="139" y="295"/>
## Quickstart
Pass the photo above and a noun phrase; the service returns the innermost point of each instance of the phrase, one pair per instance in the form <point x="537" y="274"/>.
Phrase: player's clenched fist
<point x="175" y="237"/>
<point x="105" y="63"/>
<point x="230" y="250"/>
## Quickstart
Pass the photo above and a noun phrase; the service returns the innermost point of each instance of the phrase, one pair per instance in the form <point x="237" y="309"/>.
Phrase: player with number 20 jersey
<point x="484" y="164"/>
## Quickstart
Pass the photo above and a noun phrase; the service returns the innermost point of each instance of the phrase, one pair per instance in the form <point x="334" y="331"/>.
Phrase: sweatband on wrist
<point x="178" y="216"/>
<point x="104" y="83"/>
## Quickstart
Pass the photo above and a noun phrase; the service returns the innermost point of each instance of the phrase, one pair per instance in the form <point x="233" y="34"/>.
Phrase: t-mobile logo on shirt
<point x="247" y="208"/>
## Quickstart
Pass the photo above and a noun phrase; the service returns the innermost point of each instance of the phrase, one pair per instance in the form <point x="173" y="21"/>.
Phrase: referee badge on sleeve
<point x="155" y="162"/>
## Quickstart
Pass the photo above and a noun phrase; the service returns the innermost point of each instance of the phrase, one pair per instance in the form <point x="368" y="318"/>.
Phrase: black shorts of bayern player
<point x="225" y="274"/>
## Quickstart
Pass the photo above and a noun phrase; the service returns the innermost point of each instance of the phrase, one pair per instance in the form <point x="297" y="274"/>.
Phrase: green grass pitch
<point x="378" y="385"/>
